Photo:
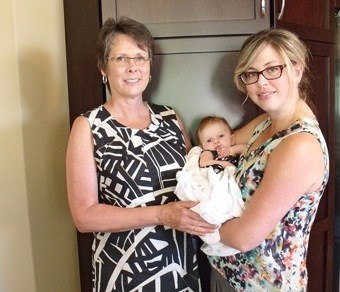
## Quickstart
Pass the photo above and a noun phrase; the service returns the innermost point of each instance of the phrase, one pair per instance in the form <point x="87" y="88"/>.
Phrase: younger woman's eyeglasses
<point x="270" y="73"/>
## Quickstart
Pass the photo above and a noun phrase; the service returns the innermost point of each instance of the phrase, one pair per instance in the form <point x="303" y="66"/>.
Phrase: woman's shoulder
<point x="93" y="112"/>
<point x="163" y="112"/>
<point x="308" y="125"/>
<point x="160" y="108"/>
<point x="96" y="115"/>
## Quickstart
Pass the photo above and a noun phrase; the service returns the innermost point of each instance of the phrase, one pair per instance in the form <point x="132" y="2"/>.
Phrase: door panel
<point x="320" y="254"/>
<point x="310" y="19"/>
<point x="178" y="18"/>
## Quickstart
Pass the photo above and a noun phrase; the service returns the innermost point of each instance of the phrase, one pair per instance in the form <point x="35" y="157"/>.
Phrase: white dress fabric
<point x="218" y="194"/>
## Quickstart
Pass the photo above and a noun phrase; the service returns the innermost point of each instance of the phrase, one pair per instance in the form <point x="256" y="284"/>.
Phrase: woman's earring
<point x="150" y="77"/>
<point x="104" y="79"/>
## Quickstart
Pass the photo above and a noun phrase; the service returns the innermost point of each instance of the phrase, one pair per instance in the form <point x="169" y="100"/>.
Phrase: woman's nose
<point x="262" y="80"/>
<point x="132" y="68"/>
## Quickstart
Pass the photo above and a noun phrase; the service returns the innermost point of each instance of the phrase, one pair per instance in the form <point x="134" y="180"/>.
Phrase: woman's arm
<point x="187" y="140"/>
<point x="91" y="216"/>
<point x="236" y="149"/>
<point x="285" y="180"/>
<point x="243" y="135"/>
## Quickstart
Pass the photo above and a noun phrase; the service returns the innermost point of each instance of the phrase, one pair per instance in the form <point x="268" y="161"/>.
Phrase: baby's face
<point x="215" y="136"/>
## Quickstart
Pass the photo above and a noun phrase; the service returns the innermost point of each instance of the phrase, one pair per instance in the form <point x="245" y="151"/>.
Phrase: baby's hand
<point x="223" y="151"/>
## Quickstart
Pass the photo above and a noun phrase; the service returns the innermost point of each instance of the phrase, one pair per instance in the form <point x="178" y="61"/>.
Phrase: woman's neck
<point x="131" y="114"/>
<point x="284" y="119"/>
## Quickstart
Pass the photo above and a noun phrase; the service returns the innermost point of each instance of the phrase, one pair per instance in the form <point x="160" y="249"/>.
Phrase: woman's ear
<point x="298" y="72"/>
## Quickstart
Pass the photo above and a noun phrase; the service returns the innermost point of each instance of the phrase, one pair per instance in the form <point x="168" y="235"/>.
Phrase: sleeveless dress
<point x="279" y="262"/>
<point x="137" y="168"/>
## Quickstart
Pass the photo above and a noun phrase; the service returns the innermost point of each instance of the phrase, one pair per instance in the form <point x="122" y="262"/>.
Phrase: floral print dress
<point x="279" y="262"/>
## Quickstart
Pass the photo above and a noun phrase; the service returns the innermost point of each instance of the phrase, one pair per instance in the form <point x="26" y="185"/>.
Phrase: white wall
<point x="37" y="237"/>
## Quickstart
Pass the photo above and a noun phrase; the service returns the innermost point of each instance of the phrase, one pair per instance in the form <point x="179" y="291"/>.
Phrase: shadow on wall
<point x="223" y="83"/>
<point x="199" y="84"/>
<point x="45" y="133"/>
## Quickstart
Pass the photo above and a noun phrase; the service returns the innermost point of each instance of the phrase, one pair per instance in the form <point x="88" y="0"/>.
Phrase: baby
<point x="214" y="136"/>
<point x="208" y="177"/>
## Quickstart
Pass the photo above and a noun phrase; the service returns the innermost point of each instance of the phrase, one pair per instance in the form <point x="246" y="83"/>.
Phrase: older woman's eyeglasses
<point x="122" y="61"/>
<point x="270" y="73"/>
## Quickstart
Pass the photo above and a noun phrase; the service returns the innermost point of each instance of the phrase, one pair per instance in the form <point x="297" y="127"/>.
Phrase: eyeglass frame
<point x="261" y="72"/>
<point x="125" y="60"/>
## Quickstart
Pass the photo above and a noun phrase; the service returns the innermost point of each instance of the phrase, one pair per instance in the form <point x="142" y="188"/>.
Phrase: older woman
<point x="122" y="160"/>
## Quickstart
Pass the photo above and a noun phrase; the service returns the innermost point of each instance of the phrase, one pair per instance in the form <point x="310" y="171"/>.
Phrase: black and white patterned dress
<point x="137" y="168"/>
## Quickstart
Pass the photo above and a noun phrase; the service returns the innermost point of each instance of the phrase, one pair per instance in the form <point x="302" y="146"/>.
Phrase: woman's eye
<point x="120" y="59"/>
<point x="250" y="74"/>
<point x="140" y="59"/>
<point x="273" y="69"/>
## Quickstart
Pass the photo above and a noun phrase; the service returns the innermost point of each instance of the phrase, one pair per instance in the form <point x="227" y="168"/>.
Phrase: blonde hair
<point x="207" y="121"/>
<point x="289" y="47"/>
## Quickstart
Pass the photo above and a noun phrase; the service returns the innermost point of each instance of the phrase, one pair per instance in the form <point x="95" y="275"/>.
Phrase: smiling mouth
<point x="266" y="94"/>
<point x="134" y="80"/>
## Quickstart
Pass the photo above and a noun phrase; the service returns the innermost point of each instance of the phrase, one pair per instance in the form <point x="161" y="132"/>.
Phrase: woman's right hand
<point x="179" y="216"/>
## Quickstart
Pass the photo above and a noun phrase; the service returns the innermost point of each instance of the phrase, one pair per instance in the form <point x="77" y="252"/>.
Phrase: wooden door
<point x="320" y="253"/>
<point x="313" y="21"/>
<point x="336" y="279"/>
<point x="85" y="89"/>
<point x="310" y="19"/>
